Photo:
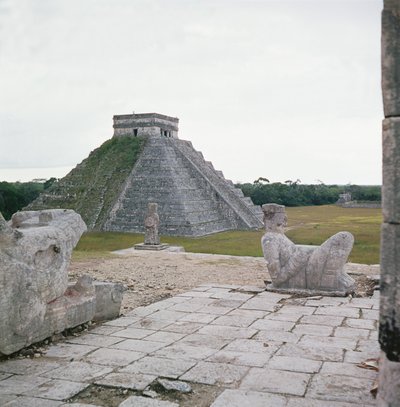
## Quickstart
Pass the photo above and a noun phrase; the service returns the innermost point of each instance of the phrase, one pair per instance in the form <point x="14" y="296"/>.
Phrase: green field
<point x="307" y="225"/>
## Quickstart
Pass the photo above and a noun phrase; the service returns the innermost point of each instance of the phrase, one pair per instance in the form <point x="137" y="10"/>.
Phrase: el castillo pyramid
<point x="144" y="162"/>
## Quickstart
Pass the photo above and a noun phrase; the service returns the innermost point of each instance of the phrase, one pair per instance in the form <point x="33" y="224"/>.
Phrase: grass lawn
<point x="308" y="225"/>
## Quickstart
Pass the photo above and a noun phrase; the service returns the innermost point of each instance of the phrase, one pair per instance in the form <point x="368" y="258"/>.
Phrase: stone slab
<point x="215" y="374"/>
<point x="133" y="333"/>
<point x="268" y="324"/>
<point x="294" y="364"/>
<point x="311" y="351"/>
<point x="69" y="351"/>
<point x="95" y="340"/>
<point x="347" y="369"/>
<point x="138" y="401"/>
<point x="252" y="346"/>
<point x="227" y="332"/>
<point x="78" y="371"/>
<point x="113" y="357"/>
<point x="184" y="351"/>
<point x="151" y="247"/>
<point x="184" y="327"/>
<point x="20" y="384"/>
<point x="164" y="337"/>
<point x="334" y="342"/>
<point x="240" y="358"/>
<point x="143" y="346"/>
<point x="234" y="320"/>
<point x="134" y="381"/>
<point x="341" y="388"/>
<point x="360" y="323"/>
<point x="247" y="398"/>
<point x="32" y="402"/>
<point x="57" y="389"/>
<point x="276" y="381"/>
<point x="338" y="311"/>
<point x="151" y="365"/>
<point x="199" y="317"/>
<point x="29" y="366"/>
<point x="310" y="329"/>
<point x="345" y="332"/>
<point x="277" y="336"/>
<point x="196" y="339"/>
<point x="309" y="402"/>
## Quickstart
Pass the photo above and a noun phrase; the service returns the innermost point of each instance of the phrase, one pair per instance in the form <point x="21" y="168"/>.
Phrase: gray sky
<point x="283" y="89"/>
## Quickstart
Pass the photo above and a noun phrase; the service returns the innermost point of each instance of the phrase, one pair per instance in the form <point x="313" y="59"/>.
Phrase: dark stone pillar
<point x="389" y="324"/>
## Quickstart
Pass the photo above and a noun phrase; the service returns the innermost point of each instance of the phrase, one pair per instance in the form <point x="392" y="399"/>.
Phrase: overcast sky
<point x="282" y="89"/>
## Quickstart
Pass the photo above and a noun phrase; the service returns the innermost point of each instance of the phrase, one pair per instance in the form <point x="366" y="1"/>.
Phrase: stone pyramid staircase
<point x="193" y="198"/>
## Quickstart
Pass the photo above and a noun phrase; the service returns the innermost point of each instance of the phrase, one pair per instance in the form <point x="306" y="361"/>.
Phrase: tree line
<point x="16" y="195"/>
<point x="293" y="193"/>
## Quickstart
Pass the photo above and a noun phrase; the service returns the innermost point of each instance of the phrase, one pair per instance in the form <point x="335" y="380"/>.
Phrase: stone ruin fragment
<point x="36" y="299"/>
<point x="304" y="268"/>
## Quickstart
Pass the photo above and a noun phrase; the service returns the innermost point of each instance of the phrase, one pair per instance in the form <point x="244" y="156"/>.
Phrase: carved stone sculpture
<point x="304" y="268"/>
<point x="36" y="299"/>
<point x="151" y="224"/>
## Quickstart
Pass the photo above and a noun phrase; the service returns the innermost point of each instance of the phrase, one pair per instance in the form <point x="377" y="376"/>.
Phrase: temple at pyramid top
<point x="145" y="124"/>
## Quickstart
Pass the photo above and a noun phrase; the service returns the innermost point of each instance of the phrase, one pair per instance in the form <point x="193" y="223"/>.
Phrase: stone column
<point x="389" y="324"/>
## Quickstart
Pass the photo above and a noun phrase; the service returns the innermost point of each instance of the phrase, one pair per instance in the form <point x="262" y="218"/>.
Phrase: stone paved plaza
<point x="250" y="347"/>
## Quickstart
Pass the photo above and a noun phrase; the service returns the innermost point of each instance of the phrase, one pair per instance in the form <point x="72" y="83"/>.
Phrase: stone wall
<point x="389" y="327"/>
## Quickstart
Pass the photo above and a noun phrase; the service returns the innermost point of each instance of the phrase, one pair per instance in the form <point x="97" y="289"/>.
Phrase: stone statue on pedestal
<point x="151" y="224"/>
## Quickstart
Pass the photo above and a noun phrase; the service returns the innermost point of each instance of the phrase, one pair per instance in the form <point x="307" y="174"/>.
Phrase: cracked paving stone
<point x="135" y="381"/>
<point x="308" y="402"/>
<point x="276" y="381"/>
<point x="294" y="364"/>
<point x="69" y="350"/>
<point x="215" y="373"/>
<point x="240" y="358"/>
<point x="138" y="401"/>
<point x="341" y="388"/>
<point x="57" y="389"/>
<point x="78" y="371"/>
<point x="183" y="351"/>
<point x="33" y="402"/>
<point x="172" y="368"/>
<point x="20" y="384"/>
<point x="113" y="357"/>
<point x="136" y="345"/>
<point x="307" y="351"/>
<point x="246" y="398"/>
<point x="29" y="366"/>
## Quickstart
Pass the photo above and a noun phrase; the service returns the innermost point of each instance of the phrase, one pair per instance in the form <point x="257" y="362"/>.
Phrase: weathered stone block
<point x="389" y="323"/>
<point x="391" y="170"/>
<point x="108" y="300"/>
<point x="304" y="268"/>
<point x="390" y="57"/>
<point x="35" y="250"/>
<point x="389" y="382"/>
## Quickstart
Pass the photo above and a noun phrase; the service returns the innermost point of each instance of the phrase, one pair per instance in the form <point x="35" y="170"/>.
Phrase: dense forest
<point x="293" y="193"/>
<point x="15" y="195"/>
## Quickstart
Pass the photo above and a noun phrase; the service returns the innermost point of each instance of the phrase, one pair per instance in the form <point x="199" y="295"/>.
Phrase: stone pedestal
<point x="155" y="247"/>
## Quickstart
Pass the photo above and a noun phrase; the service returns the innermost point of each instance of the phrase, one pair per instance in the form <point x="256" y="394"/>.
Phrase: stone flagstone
<point x="296" y="362"/>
